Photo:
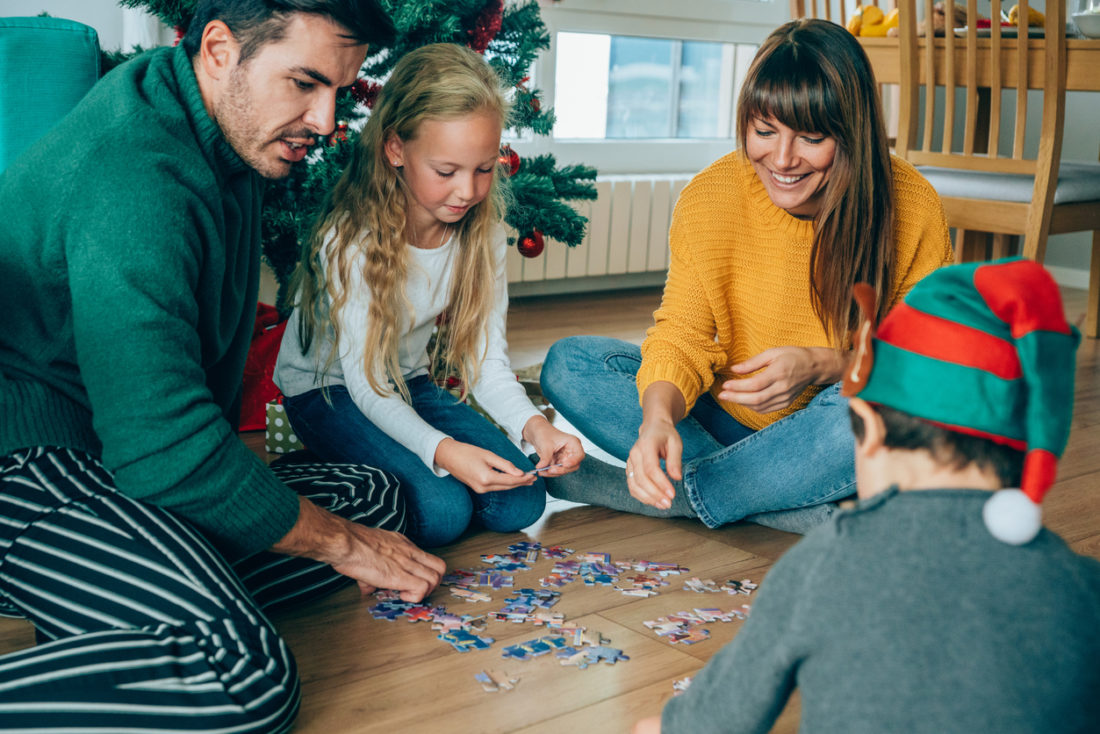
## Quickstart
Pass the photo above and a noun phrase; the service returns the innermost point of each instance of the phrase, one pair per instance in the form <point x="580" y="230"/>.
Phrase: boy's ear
<point x="218" y="50"/>
<point x="395" y="150"/>
<point x="874" y="429"/>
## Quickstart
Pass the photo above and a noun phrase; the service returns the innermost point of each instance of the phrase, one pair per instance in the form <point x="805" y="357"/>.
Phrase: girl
<point x="413" y="230"/>
<point x="740" y="411"/>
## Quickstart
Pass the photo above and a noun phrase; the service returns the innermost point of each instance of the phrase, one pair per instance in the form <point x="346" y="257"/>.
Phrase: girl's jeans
<point x="441" y="508"/>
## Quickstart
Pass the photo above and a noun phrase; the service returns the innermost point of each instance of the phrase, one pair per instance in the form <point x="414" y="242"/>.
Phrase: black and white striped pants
<point x="149" y="628"/>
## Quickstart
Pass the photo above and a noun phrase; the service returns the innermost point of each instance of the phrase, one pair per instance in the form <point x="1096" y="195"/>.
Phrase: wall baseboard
<point x="1069" y="277"/>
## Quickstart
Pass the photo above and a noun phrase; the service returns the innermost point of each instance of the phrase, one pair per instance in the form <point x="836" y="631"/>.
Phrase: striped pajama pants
<point x="145" y="626"/>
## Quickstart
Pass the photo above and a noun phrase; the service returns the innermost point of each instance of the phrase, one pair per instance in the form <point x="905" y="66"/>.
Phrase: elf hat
<point x="982" y="349"/>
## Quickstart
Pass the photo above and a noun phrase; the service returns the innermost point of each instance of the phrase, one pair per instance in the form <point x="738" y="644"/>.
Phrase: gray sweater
<point x="905" y="615"/>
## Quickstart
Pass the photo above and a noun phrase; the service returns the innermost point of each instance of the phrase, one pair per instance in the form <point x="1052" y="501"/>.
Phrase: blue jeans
<point x="730" y="470"/>
<point x="440" y="508"/>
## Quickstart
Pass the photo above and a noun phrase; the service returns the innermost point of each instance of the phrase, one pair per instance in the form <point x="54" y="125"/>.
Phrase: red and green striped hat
<point x="983" y="349"/>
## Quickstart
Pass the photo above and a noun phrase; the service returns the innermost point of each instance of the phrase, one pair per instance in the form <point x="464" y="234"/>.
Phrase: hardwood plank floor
<point x="365" y="675"/>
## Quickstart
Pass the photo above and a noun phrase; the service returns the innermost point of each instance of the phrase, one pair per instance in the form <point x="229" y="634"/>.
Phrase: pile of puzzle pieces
<point x="731" y="587"/>
<point x="571" y="644"/>
<point x="686" y="627"/>
<point x="589" y="652"/>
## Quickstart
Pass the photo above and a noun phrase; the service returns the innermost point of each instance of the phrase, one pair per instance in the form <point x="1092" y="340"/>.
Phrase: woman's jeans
<point x="440" y="508"/>
<point x="730" y="471"/>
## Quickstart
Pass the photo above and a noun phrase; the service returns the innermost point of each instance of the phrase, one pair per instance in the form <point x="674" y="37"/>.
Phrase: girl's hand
<point x="784" y="372"/>
<point x="560" y="451"/>
<point x="648" y="483"/>
<point x="480" y="470"/>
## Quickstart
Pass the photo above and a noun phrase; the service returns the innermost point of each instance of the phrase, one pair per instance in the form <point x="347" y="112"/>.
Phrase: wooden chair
<point x="988" y="183"/>
<point x="837" y="11"/>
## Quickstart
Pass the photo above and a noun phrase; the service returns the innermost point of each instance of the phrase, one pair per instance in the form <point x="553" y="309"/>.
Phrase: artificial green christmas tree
<point x="510" y="34"/>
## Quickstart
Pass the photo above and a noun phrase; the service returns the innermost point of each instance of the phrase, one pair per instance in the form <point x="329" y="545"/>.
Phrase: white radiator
<point x="627" y="237"/>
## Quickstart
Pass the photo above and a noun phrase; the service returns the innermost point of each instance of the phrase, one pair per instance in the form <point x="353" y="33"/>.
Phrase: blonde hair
<point x="813" y="76"/>
<point x="436" y="82"/>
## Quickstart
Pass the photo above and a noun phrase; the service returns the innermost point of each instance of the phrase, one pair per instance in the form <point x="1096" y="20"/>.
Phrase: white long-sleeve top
<point x="430" y="275"/>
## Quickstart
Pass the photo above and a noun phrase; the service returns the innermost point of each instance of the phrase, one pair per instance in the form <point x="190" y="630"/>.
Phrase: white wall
<point x="117" y="27"/>
<point x="723" y="21"/>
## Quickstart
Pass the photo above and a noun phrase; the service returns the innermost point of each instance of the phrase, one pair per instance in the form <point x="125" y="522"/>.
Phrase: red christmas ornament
<point x="521" y="85"/>
<point x="509" y="159"/>
<point x="532" y="244"/>
<point x="340" y="136"/>
<point x="487" y="25"/>
<point x="365" y="92"/>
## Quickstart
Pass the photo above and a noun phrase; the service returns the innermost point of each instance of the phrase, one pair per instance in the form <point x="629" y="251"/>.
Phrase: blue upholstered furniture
<point x="46" y="66"/>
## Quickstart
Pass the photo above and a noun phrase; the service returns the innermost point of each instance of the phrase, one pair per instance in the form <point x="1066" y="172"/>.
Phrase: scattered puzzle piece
<point x="557" y="551"/>
<point x="468" y="594"/>
<point x="458" y="576"/>
<point x="681" y="685"/>
<point x="419" y="614"/>
<point x="594" y="655"/>
<point x="700" y="586"/>
<point x="534" y="648"/>
<point x="493" y="681"/>
<point x="464" y="641"/>
<point x="744" y="586"/>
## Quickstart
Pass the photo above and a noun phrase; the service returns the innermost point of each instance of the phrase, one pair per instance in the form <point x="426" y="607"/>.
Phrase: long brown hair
<point x="366" y="215"/>
<point x="813" y="76"/>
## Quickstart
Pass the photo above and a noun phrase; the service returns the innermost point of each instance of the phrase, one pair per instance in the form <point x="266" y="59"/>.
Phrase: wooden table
<point x="1082" y="61"/>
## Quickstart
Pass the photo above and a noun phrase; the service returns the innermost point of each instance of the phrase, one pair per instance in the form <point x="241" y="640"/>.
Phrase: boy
<point x="938" y="603"/>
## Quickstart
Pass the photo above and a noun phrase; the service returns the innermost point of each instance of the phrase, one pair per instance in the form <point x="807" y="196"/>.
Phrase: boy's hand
<point x="651" y="725"/>
<point x="559" y="452"/>
<point x="480" y="470"/>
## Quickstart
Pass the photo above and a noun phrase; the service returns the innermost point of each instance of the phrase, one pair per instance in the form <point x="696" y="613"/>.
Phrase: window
<point x="634" y="88"/>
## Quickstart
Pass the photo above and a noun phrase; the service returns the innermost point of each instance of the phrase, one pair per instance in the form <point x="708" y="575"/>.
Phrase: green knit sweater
<point x="129" y="256"/>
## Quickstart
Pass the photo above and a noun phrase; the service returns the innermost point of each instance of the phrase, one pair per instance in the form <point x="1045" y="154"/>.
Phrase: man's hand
<point x="376" y="559"/>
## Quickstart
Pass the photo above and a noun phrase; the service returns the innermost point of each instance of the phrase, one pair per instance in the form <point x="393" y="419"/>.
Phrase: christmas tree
<point x="510" y="34"/>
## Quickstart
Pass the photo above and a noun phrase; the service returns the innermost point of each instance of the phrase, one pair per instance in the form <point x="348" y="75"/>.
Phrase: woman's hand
<point x="784" y="372"/>
<point x="559" y="452"/>
<point x="663" y="406"/>
<point x="480" y="470"/>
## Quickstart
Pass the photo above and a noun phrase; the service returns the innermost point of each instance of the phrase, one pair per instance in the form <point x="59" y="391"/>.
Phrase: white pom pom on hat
<point x="1012" y="517"/>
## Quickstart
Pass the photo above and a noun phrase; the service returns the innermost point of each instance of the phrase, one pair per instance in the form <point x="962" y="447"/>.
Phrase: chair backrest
<point x="983" y="67"/>
<point x="46" y="66"/>
<point x="838" y="11"/>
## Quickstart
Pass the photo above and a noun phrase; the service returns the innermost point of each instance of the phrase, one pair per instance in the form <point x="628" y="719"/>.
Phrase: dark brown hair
<point x="813" y="76"/>
<point x="255" y="23"/>
<point x="950" y="448"/>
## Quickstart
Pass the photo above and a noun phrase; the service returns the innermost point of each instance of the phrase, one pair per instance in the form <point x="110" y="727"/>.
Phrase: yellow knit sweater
<point x="739" y="278"/>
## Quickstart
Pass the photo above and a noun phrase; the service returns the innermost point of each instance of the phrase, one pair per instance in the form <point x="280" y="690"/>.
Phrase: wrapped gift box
<point x="279" y="438"/>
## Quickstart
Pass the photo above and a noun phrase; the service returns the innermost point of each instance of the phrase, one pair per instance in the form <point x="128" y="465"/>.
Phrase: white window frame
<point x="722" y="21"/>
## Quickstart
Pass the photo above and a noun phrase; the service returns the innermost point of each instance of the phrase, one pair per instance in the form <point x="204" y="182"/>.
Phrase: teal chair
<point x="46" y="66"/>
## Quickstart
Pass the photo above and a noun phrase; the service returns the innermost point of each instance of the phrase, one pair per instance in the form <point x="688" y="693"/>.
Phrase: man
<point x="134" y="522"/>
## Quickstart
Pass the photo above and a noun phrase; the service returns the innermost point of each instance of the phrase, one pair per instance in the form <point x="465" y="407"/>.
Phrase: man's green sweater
<point x="129" y="251"/>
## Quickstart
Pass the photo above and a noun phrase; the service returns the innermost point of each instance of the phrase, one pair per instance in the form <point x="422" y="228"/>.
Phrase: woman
<point x="740" y="408"/>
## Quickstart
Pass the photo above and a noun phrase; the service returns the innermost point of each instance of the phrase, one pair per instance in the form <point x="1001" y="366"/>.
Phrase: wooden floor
<point x="365" y="675"/>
